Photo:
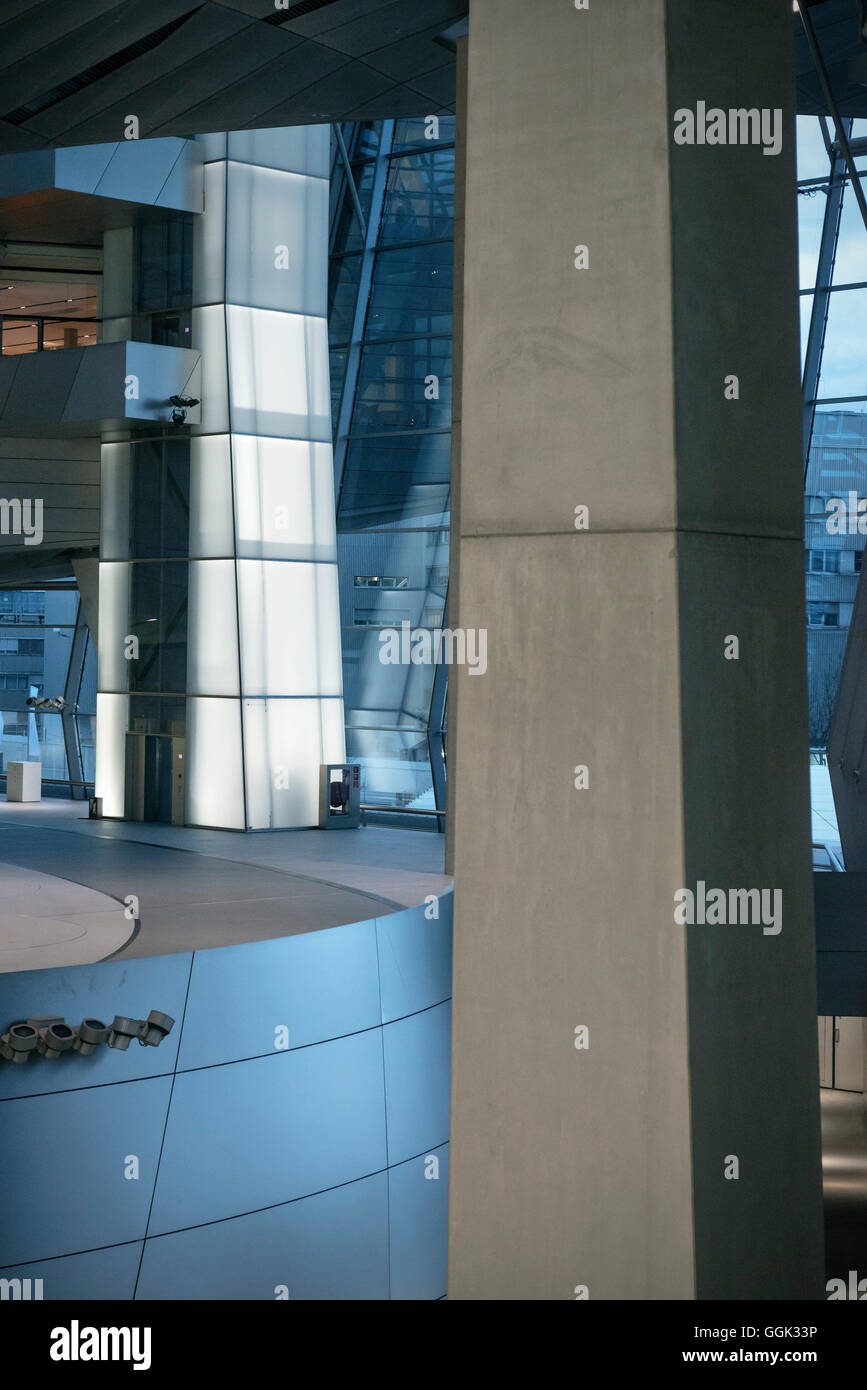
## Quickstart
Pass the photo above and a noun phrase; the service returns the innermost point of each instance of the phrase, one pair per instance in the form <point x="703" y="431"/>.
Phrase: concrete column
<point x="457" y="410"/>
<point x="603" y="1164"/>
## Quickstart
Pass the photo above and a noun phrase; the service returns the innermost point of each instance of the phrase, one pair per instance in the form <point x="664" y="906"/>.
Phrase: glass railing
<point x="25" y="333"/>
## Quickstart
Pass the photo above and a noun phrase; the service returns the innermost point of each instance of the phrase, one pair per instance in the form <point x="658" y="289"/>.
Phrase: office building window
<point x="823" y="614"/>
<point x="823" y="561"/>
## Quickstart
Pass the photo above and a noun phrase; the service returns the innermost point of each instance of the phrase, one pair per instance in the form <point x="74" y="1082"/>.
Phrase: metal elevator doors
<point x="154" y="787"/>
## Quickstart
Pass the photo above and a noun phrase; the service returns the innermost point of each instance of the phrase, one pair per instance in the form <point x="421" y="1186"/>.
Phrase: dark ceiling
<point x="838" y="29"/>
<point x="72" y="70"/>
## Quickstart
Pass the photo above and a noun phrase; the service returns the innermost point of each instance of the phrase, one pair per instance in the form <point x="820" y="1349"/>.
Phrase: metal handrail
<point x="39" y="321"/>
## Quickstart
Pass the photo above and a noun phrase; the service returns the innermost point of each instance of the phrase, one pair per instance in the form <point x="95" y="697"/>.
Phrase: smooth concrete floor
<point x="204" y="888"/>
<point x="49" y="921"/>
<point x="844" y="1175"/>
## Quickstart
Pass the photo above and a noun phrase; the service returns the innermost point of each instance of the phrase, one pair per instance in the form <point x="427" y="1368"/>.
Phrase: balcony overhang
<point x="96" y="390"/>
<point x="89" y="188"/>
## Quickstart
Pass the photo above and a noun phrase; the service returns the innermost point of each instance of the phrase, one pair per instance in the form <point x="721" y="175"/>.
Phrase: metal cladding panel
<point x="317" y="986"/>
<point x="81" y="167"/>
<point x="96" y="1274"/>
<point x="46" y="391"/>
<point x="329" y="1246"/>
<point x="417" y="1082"/>
<point x="264" y="1131"/>
<point x="161" y="372"/>
<point x="130" y="988"/>
<point x="151" y="173"/>
<point x="415" y="958"/>
<point x="418" y="1194"/>
<point x="26" y="173"/>
<point x="64" y="1157"/>
<point x="163" y="173"/>
<point x="40" y="383"/>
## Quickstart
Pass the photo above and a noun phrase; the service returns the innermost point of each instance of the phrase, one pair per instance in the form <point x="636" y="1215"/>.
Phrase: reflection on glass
<point x="844" y="364"/>
<point x="47" y="312"/>
<point x="393" y="507"/>
<point x="837" y="468"/>
<point x="158" y="618"/>
<point x="850" y="263"/>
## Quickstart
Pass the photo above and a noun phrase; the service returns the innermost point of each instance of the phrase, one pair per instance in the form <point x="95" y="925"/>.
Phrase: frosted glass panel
<point x="285" y="741"/>
<point x="212" y="628"/>
<point x="213" y="145"/>
<point x="276" y="229"/>
<point x="303" y="149"/>
<point x="278" y="364"/>
<point x="209" y="240"/>
<point x="210" y="497"/>
<point x="215" y="788"/>
<point x="290" y="628"/>
<point x="114" y="501"/>
<point x="114" y="588"/>
<point x="209" y="335"/>
<point x="111" y="727"/>
<point x="284" y="499"/>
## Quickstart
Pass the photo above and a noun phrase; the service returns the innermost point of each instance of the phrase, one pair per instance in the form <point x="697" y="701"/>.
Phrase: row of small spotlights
<point x="50" y="1037"/>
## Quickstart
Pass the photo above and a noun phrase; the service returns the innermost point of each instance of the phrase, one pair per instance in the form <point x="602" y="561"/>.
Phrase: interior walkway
<point x="200" y="888"/>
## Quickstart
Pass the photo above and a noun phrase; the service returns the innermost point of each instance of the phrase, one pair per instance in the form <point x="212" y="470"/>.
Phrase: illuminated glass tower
<point x="219" y="596"/>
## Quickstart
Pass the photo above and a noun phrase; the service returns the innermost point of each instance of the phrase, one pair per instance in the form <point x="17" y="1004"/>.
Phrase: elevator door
<point x="154" y="778"/>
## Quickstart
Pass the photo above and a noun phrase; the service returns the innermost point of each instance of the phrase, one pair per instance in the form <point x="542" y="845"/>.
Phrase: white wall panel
<point x="303" y="149"/>
<point x="209" y="335"/>
<point x="276" y="227"/>
<point x="115" y="468"/>
<point x="278" y="370"/>
<point x="112" y="713"/>
<point x="284" y="499"/>
<point x="209" y="240"/>
<point x="211" y="522"/>
<point x="212" y="629"/>
<point x="284" y="743"/>
<point x="290" y="628"/>
<point x="114" y="590"/>
<point x="215" y="779"/>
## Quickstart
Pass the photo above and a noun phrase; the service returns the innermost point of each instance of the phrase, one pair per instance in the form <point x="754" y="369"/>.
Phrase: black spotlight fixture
<point x="181" y="404"/>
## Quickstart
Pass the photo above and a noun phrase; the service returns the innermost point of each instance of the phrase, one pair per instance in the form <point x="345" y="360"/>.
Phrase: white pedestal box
<point x="23" y="781"/>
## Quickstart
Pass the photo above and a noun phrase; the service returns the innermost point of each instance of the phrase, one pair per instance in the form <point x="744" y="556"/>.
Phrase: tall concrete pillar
<point x="635" y="1097"/>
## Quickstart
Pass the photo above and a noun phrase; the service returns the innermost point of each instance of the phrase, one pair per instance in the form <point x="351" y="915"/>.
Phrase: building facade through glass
<point x="390" y="336"/>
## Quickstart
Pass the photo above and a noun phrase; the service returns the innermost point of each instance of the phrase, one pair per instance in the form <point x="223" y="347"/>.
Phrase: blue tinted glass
<point x="420" y="197"/>
<point x="412" y="291"/>
<point x="394" y="478"/>
<point x="343" y="280"/>
<point x="404" y="385"/>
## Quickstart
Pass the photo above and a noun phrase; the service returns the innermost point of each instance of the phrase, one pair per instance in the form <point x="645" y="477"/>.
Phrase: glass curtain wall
<point x="45" y="653"/>
<point x="833" y="299"/>
<point x="390" y="337"/>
